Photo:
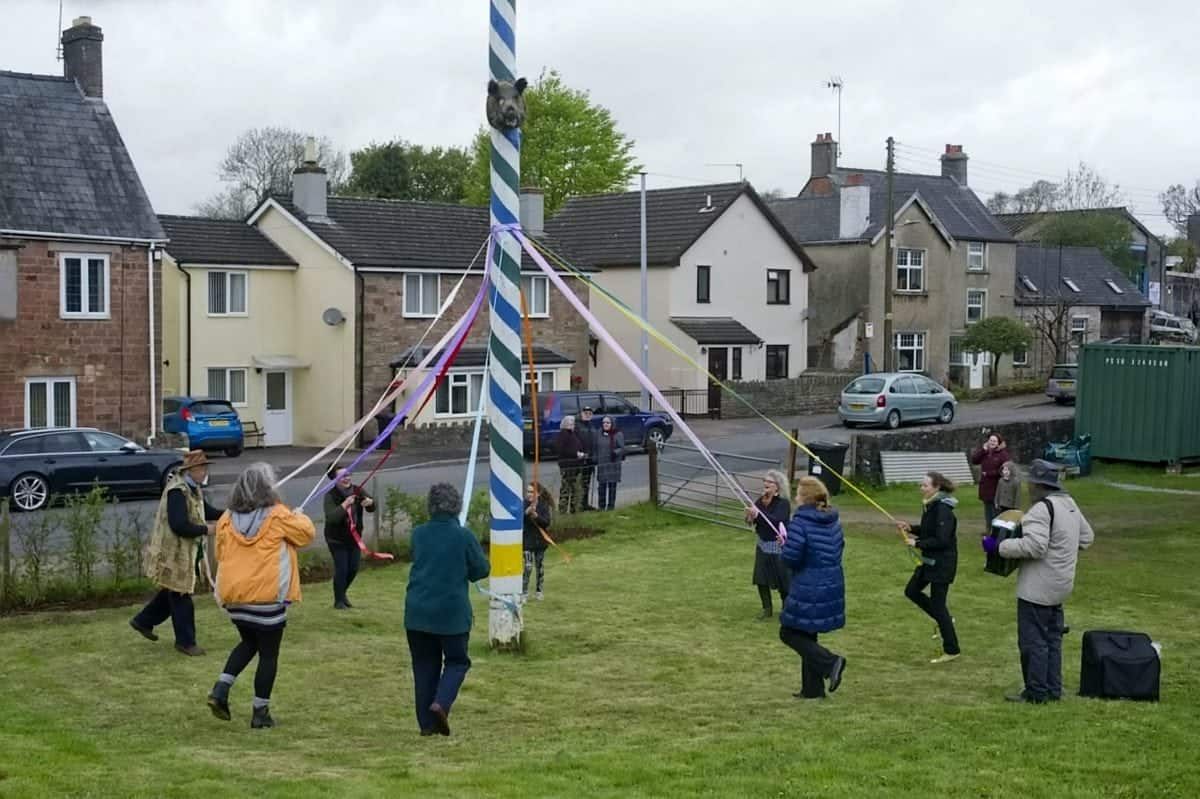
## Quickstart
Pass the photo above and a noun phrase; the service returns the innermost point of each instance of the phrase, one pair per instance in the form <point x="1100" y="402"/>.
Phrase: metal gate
<point x="689" y="486"/>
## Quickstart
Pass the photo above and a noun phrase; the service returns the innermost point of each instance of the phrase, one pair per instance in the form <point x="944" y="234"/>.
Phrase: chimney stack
<point x="533" y="211"/>
<point x="824" y="155"/>
<point x="954" y="164"/>
<point x="854" y="208"/>
<point x="310" y="184"/>
<point x="83" y="59"/>
<point x="1193" y="229"/>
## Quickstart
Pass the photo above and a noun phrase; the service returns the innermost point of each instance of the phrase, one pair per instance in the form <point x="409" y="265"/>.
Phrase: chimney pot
<point x="310" y="184"/>
<point x="83" y="61"/>
<point x="80" y="22"/>
<point x="533" y="211"/>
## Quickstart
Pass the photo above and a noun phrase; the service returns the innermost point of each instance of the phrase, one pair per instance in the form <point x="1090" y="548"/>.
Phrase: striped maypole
<point x="504" y="384"/>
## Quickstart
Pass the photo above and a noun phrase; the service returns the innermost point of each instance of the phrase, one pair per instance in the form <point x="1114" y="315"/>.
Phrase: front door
<point x="977" y="369"/>
<point x="277" y="418"/>
<point x="718" y="367"/>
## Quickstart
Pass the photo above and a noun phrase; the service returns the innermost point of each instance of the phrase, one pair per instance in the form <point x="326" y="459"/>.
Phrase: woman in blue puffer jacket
<point x="816" y="600"/>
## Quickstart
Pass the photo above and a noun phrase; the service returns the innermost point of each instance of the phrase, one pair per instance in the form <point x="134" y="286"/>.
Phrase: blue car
<point x="209" y="424"/>
<point x="641" y="428"/>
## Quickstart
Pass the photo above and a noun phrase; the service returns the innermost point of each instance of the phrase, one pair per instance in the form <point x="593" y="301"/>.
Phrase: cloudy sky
<point x="1028" y="88"/>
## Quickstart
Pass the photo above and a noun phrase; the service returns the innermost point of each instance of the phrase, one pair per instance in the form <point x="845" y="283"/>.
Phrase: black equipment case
<point x="1119" y="665"/>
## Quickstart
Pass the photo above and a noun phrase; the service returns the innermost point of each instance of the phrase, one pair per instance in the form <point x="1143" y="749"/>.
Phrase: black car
<point x="35" y="465"/>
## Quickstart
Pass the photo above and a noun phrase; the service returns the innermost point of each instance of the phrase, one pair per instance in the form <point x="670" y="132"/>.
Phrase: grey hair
<point x="444" y="499"/>
<point x="781" y="482"/>
<point x="254" y="489"/>
<point x="568" y="421"/>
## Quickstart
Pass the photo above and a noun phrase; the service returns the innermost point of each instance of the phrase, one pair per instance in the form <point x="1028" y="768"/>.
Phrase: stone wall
<point x="811" y="392"/>
<point x="1026" y="440"/>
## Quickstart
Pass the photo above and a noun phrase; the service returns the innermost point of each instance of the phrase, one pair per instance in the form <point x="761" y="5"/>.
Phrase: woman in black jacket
<point x="937" y="539"/>
<point x="538" y="507"/>
<point x="342" y="500"/>
<point x="769" y="512"/>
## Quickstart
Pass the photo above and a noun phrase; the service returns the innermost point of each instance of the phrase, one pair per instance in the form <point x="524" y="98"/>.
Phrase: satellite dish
<point x="333" y="317"/>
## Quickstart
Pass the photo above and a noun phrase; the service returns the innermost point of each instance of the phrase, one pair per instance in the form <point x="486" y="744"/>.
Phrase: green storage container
<point x="1139" y="403"/>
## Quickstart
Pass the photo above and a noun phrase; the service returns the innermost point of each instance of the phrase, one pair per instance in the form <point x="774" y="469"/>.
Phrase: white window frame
<point x="228" y="274"/>
<point x="84" y="313"/>
<point x="1071" y="284"/>
<point x="544" y="377"/>
<point x="228" y="370"/>
<point x="982" y="245"/>
<point x="910" y="269"/>
<point x="1112" y="284"/>
<point x="530" y="286"/>
<point x="982" y="305"/>
<point x="918" y="363"/>
<point x="1086" y="322"/>
<point x="1024" y="357"/>
<point x="50" y="383"/>
<point x="455" y="379"/>
<point x="423" y="313"/>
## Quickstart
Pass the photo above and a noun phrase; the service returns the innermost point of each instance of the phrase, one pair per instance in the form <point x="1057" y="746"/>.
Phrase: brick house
<point x="79" y="299"/>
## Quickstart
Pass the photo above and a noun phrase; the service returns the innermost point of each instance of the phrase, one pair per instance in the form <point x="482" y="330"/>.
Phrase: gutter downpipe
<point x="360" y="286"/>
<point x="153" y="352"/>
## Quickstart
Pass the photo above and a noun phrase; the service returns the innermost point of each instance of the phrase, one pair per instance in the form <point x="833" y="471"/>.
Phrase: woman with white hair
<point x="258" y="576"/>
<point x="572" y="458"/>
<point x="769" y="513"/>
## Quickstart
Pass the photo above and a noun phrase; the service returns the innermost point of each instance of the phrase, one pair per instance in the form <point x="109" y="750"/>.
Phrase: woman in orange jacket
<point x="258" y="576"/>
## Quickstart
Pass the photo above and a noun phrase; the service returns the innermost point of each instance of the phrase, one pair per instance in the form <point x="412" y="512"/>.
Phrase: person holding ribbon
<point x="344" y="506"/>
<point x="538" y="507"/>
<point x="769" y="514"/>
<point x="937" y="539"/>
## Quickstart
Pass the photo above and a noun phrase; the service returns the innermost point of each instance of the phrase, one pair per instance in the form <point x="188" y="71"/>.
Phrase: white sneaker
<point x="538" y="596"/>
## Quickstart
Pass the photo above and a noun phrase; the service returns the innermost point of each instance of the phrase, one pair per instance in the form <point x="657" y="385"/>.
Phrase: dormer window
<point x="1028" y="284"/>
<point x="1071" y="284"/>
<point x="1112" y="285"/>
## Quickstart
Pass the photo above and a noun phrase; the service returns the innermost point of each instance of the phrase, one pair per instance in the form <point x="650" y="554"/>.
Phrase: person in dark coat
<point x="587" y="434"/>
<point x="437" y="611"/>
<point x="341" y="501"/>
<point x="937" y="539"/>
<point x="768" y="513"/>
<point x="816" y="601"/>
<point x="608" y="452"/>
<point x="572" y="457"/>
<point x="990" y="458"/>
<point x="538" y="507"/>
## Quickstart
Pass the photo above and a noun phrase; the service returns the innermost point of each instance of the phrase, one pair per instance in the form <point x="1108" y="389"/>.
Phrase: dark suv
<point x="640" y="427"/>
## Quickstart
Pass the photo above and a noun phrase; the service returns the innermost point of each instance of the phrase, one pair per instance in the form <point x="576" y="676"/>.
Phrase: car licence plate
<point x="219" y="423"/>
<point x="1066" y="384"/>
<point x="857" y="406"/>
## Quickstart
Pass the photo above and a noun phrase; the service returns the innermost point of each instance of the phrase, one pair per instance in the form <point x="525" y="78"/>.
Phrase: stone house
<point x="79" y="255"/>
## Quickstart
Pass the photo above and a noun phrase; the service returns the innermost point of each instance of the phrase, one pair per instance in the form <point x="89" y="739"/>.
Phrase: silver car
<point x="892" y="398"/>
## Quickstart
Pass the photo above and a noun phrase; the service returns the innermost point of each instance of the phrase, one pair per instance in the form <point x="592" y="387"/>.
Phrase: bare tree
<point x="1083" y="187"/>
<point x="1180" y="202"/>
<point x="261" y="161"/>
<point x="1049" y="323"/>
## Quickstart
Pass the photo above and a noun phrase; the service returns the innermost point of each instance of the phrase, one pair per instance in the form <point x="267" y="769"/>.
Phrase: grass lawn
<point x="646" y="675"/>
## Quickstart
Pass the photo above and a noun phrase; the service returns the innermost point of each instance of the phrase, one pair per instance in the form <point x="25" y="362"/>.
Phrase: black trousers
<point x="608" y="496"/>
<point x="346" y="558"/>
<point x="935" y="606"/>
<point x="1039" y="639"/>
<point x="989" y="514"/>
<point x="816" y="662"/>
<point x="585" y="486"/>
<point x="175" y="606"/>
<point x="264" y="643"/>
<point x="440" y="664"/>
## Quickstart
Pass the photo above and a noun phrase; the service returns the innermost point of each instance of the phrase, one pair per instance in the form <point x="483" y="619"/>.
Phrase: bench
<point x="251" y="430"/>
<point x="910" y="467"/>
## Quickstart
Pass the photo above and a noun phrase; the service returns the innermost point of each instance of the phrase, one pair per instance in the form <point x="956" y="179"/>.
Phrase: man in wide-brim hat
<point x="1052" y="533"/>
<point x="174" y="552"/>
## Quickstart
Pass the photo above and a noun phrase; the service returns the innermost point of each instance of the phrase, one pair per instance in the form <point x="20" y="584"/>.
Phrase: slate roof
<point x="809" y="219"/>
<point x="715" y="330"/>
<point x="402" y="234"/>
<point x="476" y="357"/>
<point x="1019" y="223"/>
<point x="606" y="228"/>
<point x="63" y="165"/>
<point x="1086" y="267"/>
<point x="198" y="240"/>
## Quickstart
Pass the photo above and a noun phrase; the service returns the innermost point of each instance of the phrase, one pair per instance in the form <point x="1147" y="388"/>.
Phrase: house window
<point x="1029" y="284"/>
<point x="459" y="394"/>
<point x="1020" y="357"/>
<point x="737" y="364"/>
<point x="543" y="380"/>
<point x="1079" y="330"/>
<point x="779" y="291"/>
<point x="976" y="256"/>
<point x="83" y="286"/>
<point x="50" y="402"/>
<point x="227" y="293"/>
<point x="910" y="352"/>
<point x="422" y="294"/>
<point x="537" y="295"/>
<point x="910" y="270"/>
<point x="703" y="281"/>
<point x="1113" y="285"/>
<point x="227" y="384"/>
<point x="777" y="361"/>
<point x="976" y="305"/>
<point x="1071" y="284"/>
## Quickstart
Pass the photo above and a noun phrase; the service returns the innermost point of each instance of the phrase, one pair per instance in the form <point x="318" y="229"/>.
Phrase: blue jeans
<point x="346" y="558"/>
<point x="440" y="664"/>
<point x="608" y="495"/>
<point x="176" y="606"/>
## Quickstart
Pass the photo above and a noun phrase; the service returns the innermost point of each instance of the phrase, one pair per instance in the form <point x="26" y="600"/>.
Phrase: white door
<point x="977" y="369"/>
<point x="277" y="418"/>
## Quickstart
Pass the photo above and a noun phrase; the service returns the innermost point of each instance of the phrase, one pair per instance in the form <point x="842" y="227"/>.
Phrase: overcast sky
<point x="1028" y="88"/>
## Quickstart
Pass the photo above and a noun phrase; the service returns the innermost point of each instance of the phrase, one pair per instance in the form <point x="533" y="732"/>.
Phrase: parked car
<point x="1171" y="328"/>
<point x="209" y="424"/>
<point x="641" y="428"/>
<point x="893" y="398"/>
<point x="1061" y="385"/>
<point x="37" y="464"/>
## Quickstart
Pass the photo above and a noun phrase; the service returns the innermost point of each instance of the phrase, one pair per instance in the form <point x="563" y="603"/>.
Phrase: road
<point x="746" y="446"/>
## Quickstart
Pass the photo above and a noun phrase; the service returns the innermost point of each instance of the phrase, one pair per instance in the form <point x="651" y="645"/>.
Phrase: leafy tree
<point x="998" y="335"/>
<point x="261" y="161"/>
<point x="1108" y="232"/>
<point x="1179" y="202"/>
<point x="569" y="146"/>
<point x="398" y="170"/>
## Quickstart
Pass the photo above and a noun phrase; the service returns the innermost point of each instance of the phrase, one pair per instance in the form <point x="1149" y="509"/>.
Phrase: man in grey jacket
<point x="1052" y="533"/>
